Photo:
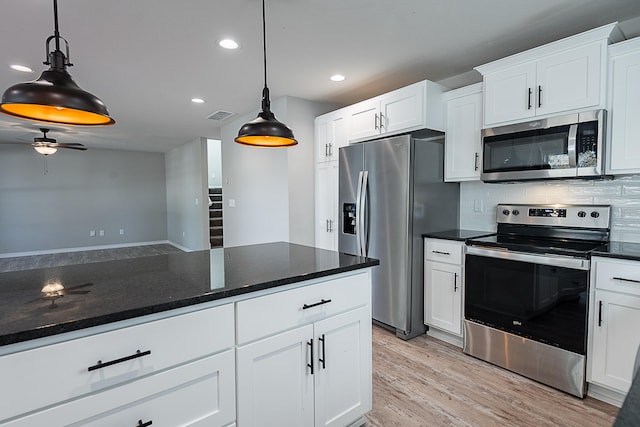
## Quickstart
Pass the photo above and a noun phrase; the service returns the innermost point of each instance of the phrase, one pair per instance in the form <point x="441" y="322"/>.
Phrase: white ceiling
<point x="147" y="58"/>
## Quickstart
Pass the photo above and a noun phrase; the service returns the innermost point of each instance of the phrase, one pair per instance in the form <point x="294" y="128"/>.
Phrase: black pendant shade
<point x="54" y="97"/>
<point x="265" y="130"/>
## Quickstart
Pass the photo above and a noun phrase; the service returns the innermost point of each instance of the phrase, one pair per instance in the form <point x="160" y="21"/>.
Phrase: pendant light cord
<point x="264" y="43"/>
<point x="56" y="33"/>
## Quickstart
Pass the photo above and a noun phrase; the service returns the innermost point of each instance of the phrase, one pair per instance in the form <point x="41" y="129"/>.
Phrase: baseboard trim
<point x="176" y="245"/>
<point x="606" y="395"/>
<point x="92" y="248"/>
<point x="445" y="336"/>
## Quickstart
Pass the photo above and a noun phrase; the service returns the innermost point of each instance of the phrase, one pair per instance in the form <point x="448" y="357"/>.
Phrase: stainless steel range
<point x="526" y="291"/>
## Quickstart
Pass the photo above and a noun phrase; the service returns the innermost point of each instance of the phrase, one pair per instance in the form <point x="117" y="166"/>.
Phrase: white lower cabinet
<point x="614" y="319"/>
<point x="198" y="394"/>
<point x="298" y="357"/>
<point x="443" y="285"/>
<point x="187" y="378"/>
<point x="312" y="366"/>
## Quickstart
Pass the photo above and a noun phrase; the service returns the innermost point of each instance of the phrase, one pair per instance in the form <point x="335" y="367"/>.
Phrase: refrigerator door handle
<point x="358" y="211"/>
<point x="363" y="210"/>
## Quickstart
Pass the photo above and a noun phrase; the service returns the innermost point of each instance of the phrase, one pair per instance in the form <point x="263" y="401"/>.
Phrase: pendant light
<point x="265" y="130"/>
<point x="54" y="97"/>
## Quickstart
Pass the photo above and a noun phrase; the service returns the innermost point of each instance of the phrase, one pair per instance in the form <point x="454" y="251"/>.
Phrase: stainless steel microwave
<point x="570" y="146"/>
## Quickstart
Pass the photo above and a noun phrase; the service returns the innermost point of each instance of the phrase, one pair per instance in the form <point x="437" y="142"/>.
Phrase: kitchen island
<point x="271" y="334"/>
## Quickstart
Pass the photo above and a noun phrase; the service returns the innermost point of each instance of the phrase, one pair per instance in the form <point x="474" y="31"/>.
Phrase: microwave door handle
<point x="359" y="213"/>
<point x="571" y="145"/>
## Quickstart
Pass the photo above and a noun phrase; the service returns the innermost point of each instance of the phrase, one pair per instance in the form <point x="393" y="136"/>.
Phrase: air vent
<point x="219" y="115"/>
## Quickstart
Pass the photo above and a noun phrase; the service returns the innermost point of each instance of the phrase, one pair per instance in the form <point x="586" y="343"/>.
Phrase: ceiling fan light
<point x="55" y="98"/>
<point x="45" y="150"/>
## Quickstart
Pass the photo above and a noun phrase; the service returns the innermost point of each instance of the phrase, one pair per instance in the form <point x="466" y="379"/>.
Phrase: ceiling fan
<point x="46" y="146"/>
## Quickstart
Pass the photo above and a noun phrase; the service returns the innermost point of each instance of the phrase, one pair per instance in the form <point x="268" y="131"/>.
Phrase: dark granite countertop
<point x="103" y="292"/>
<point x="623" y="250"/>
<point x="457" y="234"/>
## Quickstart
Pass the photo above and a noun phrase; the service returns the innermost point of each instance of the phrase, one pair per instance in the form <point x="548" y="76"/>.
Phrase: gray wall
<point x="92" y="190"/>
<point x="214" y="165"/>
<point x="187" y="202"/>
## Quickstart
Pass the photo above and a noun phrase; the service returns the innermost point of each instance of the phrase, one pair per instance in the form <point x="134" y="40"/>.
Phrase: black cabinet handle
<point x="539" y="96"/>
<point x="141" y="424"/>
<point x="101" y="365"/>
<point x="310" y="364"/>
<point x="599" y="313"/>
<point x="322" y="301"/>
<point x="475" y="163"/>
<point x="626" y="280"/>
<point x="324" y="353"/>
<point x="455" y="282"/>
<point x="529" y="100"/>
<point x="441" y="253"/>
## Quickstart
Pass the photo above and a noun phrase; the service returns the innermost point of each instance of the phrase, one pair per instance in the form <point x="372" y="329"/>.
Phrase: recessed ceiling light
<point x="337" y="78"/>
<point x="22" y="68"/>
<point x="228" y="44"/>
<point x="197" y="100"/>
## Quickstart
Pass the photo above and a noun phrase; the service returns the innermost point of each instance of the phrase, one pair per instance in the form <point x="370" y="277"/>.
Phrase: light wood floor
<point x="427" y="382"/>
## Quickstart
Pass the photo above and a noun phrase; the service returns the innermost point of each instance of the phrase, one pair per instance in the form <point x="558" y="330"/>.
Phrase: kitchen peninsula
<point x="236" y="335"/>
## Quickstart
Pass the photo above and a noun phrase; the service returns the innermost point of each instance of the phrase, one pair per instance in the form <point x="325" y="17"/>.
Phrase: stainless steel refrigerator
<point x="391" y="192"/>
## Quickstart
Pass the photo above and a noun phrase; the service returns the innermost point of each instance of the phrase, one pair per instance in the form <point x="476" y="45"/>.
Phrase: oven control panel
<point x="581" y="216"/>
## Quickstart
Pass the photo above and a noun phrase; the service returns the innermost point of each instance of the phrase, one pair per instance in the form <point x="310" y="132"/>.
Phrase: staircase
<point x="215" y="218"/>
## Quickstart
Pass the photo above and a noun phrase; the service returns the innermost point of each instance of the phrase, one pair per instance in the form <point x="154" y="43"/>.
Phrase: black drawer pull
<point x="323" y="360"/>
<point x="441" y="253"/>
<point x="310" y="364"/>
<point x="100" y="365"/>
<point x="141" y="424"/>
<point x="599" y="313"/>
<point x="322" y="301"/>
<point x="626" y="280"/>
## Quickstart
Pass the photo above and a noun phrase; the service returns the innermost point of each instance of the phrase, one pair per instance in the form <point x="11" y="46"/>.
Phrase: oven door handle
<point x="553" y="260"/>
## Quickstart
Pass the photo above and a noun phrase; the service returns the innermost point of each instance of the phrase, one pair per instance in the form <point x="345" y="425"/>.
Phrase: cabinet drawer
<point x="201" y="393"/>
<point x="270" y="314"/>
<point x="443" y="251"/>
<point x="55" y="373"/>
<point x="618" y="275"/>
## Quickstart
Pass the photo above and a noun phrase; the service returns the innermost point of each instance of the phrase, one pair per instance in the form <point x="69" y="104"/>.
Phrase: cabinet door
<point x="463" y="142"/>
<point x="509" y="94"/>
<point x="330" y="135"/>
<point x="443" y="296"/>
<point x="403" y="109"/>
<point x="326" y="208"/>
<point x="624" y="111"/>
<point x="364" y="119"/>
<point x="569" y="80"/>
<point x="343" y="368"/>
<point x="274" y="383"/>
<point x="615" y="339"/>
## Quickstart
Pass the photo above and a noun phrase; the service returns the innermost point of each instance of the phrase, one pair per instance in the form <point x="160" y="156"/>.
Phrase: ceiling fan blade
<point x="15" y="142"/>
<point x="67" y="144"/>
<point x="72" y="148"/>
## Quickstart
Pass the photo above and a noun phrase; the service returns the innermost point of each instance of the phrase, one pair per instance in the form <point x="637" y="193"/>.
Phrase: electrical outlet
<point x="92" y="233"/>
<point x="101" y="233"/>
<point x="478" y="205"/>
<point x="122" y="231"/>
<point x="232" y="203"/>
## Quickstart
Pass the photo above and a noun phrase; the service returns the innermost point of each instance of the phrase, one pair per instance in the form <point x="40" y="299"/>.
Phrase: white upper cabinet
<point x="331" y="134"/>
<point x="463" y="142"/>
<point x="562" y="76"/>
<point x="624" y="108"/>
<point x="413" y="107"/>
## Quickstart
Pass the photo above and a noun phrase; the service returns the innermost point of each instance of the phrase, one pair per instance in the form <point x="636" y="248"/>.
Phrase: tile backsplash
<point x="478" y="201"/>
